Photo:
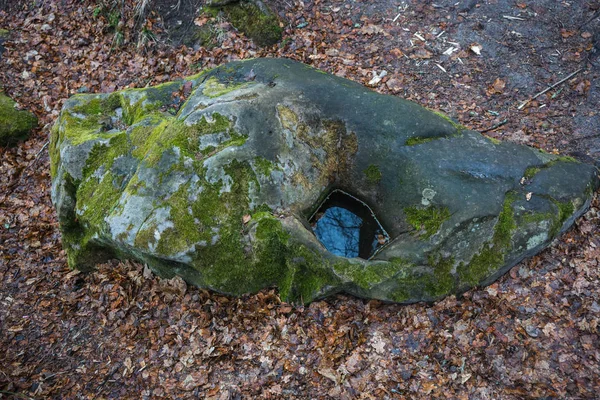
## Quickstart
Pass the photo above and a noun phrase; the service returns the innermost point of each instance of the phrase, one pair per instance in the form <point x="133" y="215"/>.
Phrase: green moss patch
<point x="442" y="282"/>
<point x="565" y="211"/>
<point x="365" y="276"/>
<point x="491" y="256"/>
<point x="373" y="173"/>
<point x="99" y="105"/>
<point x="455" y="124"/>
<point x="214" y="88"/>
<point x="427" y="220"/>
<point x="532" y="171"/>
<point x="414" y="141"/>
<point x="264" y="166"/>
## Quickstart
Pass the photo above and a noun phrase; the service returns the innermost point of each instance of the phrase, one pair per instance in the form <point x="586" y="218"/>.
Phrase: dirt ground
<point x="121" y="332"/>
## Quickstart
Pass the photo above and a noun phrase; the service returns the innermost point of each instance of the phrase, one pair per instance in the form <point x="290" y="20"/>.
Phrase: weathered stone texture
<point x="219" y="190"/>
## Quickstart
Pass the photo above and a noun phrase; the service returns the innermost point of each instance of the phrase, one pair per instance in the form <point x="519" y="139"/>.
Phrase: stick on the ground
<point x="498" y="125"/>
<point x="549" y="88"/>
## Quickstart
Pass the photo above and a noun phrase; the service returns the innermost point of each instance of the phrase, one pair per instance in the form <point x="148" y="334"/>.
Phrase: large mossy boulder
<point x="222" y="189"/>
<point x="15" y="125"/>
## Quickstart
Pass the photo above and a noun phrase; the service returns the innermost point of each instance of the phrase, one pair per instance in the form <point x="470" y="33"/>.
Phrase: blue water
<point x="339" y="231"/>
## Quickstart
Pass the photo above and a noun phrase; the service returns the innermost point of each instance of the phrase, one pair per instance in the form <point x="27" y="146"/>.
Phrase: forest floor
<point x="120" y="332"/>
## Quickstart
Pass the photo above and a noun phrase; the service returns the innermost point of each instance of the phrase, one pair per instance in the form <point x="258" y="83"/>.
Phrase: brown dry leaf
<point x="246" y="218"/>
<point x="583" y="87"/>
<point x="147" y="274"/>
<point x="421" y="53"/>
<point x="194" y="380"/>
<point x="428" y="387"/>
<point x="497" y="87"/>
<point x="565" y="33"/>
<point x="372" y="29"/>
<point x="586" y="35"/>
<point x="396" y="52"/>
<point x="329" y="374"/>
<point x="395" y="84"/>
<point x="201" y="20"/>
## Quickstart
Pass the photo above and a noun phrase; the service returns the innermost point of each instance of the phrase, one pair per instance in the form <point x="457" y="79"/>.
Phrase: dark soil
<point x="179" y="20"/>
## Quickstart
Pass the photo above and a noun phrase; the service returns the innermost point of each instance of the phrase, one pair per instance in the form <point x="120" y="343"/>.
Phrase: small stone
<point x="532" y="331"/>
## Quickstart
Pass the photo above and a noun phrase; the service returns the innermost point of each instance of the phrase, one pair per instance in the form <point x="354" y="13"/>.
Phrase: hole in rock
<point x="347" y="226"/>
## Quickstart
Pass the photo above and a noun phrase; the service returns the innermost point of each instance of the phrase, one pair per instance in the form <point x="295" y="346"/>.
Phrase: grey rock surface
<point x="222" y="190"/>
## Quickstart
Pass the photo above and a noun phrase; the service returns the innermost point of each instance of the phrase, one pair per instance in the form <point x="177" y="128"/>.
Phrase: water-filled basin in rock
<point x="347" y="227"/>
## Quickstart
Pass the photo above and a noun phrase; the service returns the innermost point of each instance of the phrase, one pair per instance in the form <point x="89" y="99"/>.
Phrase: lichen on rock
<point x="221" y="190"/>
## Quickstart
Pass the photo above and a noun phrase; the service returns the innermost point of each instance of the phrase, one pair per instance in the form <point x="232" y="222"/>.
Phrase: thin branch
<point x="498" y="125"/>
<point x="596" y="15"/>
<point x="549" y="88"/>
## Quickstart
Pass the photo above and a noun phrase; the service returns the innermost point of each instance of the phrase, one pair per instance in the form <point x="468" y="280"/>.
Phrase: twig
<point x="42" y="149"/>
<point x="549" y="88"/>
<point x="596" y="15"/>
<point x="106" y="379"/>
<point x="514" y="18"/>
<point x="498" y="125"/>
<point x="584" y="137"/>
<point x="442" y="68"/>
<point x="419" y="36"/>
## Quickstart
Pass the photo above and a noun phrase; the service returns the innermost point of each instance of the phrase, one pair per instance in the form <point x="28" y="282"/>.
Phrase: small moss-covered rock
<point x="15" y="125"/>
<point x="254" y="19"/>
<point x="222" y="191"/>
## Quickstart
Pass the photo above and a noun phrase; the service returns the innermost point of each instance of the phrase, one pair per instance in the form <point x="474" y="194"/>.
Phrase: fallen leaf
<point x="422" y="53"/>
<point x="497" y="87"/>
<point x="583" y="87"/>
<point x="566" y="33"/>
<point x="371" y="29"/>
<point x="193" y="380"/>
<point x="147" y="274"/>
<point x="396" y="52"/>
<point x="377" y="77"/>
<point x="201" y="20"/>
<point x="395" y="84"/>
<point x="329" y="374"/>
<point x="476" y="48"/>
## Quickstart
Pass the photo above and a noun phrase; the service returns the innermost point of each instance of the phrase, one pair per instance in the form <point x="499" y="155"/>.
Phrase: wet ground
<point x="525" y="48"/>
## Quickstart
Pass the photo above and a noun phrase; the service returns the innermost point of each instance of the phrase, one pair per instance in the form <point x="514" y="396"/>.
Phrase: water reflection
<point x="347" y="227"/>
